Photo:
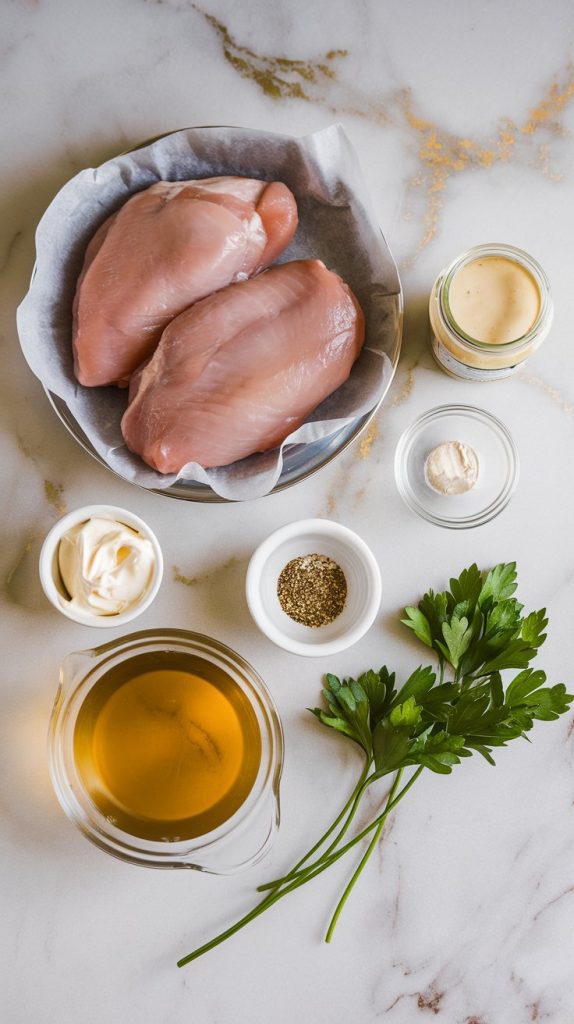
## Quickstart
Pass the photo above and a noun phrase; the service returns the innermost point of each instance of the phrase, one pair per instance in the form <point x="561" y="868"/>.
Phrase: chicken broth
<point x="167" y="746"/>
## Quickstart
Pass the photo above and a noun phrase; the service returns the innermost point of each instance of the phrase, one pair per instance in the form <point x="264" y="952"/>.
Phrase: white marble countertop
<point x="462" y="115"/>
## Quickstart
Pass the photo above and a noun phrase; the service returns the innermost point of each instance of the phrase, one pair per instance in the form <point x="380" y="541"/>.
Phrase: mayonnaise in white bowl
<point x="101" y="565"/>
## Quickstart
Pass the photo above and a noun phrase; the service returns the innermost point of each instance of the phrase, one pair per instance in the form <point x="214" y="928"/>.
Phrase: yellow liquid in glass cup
<point x="164" y="752"/>
<point x="166" y="749"/>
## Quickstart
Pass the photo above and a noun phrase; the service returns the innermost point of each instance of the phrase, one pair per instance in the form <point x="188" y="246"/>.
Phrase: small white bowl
<point x="306" y="537"/>
<point x="51" y="579"/>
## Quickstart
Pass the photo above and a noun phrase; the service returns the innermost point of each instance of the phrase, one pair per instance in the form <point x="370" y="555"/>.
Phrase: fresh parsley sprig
<point x="477" y="631"/>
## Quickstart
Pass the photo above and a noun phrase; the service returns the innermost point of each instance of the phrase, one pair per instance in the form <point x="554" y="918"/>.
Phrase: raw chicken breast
<point x="167" y="247"/>
<point x="239" y="371"/>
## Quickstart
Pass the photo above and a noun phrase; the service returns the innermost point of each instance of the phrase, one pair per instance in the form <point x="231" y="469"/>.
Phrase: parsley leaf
<point x="467" y="587"/>
<point x="528" y="694"/>
<point x="349" y="711"/>
<point x="417" y="685"/>
<point x="516" y="654"/>
<point x="458" y="635"/>
<point x="419" y="624"/>
<point x="379" y="688"/>
<point x="499" y="585"/>
<point x="503" y="618"/>
<point x="533" y="627"/>
<point x="406" y="715"/>
<point x="438" y="751"/>
<point x="356" y="705"/>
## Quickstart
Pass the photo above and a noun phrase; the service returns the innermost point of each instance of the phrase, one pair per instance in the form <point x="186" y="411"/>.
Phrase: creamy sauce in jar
<point x="494" y="300"/>
<point x="489" y="311"/>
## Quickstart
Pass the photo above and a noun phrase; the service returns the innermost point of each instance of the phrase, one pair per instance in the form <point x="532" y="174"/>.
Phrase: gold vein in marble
<point x="368" y="438"/>
<point x="440" y="154"/>
<point x="277" y="77"/>
<point x="343" y="480"/>
<point x="553" y="393"/>
<point x="409" y="383"/>
<point x="340" y="485"/>
<point x="206" y="577"/>
<point x="544" y="165"/>
<point x="360" y="496"/>
<point x="548" y="111"/>
<point x="343" y="477"/>
<point x="25" y="448"/>
<point x="329" y="509"/>
<point x="443" y="154"/>
<point x="10" y="576"/>
<point x="54" y="495"/>
<point x="330" y="505"/>
<point x="337" y="489"/>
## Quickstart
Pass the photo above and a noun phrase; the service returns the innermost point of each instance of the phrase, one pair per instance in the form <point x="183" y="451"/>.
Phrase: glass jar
<point x="239" y="841"/>
<point x="462" y="356"/>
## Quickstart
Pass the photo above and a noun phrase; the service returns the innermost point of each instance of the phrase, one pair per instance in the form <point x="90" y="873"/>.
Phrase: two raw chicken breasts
<point x="221" y="360"/>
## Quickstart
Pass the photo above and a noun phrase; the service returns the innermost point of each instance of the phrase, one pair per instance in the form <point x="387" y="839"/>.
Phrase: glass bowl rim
<point x="496" y="506"/>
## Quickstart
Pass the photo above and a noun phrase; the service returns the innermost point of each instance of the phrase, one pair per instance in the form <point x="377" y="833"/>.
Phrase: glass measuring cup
<point x="239" y="841"/>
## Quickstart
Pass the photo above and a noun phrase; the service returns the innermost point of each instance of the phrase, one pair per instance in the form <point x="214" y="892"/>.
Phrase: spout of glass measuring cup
<point x="246" y="847"/>
<point x="72" y="671"/>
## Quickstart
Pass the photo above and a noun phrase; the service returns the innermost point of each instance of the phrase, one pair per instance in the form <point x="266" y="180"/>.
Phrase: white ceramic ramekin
<point x="305" y="537"/>
<point x="50" y="573"/>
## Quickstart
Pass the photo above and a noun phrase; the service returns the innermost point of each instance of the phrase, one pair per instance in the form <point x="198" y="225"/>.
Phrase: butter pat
<point x="106" y="567"/>
<point x="451" y="468"/>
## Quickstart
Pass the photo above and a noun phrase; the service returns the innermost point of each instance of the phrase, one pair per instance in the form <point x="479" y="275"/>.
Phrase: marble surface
<point x="462" y="115"/>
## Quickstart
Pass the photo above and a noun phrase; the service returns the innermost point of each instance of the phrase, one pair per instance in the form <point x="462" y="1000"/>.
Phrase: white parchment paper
<point x="335" y="225"/>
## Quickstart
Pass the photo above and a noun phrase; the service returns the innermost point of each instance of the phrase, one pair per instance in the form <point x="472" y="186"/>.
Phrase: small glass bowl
<point x="497" y="459"/>
<point x="306" y="537"/>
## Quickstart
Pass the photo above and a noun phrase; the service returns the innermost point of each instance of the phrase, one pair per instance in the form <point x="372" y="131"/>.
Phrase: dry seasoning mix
<point x="312" y="590"/>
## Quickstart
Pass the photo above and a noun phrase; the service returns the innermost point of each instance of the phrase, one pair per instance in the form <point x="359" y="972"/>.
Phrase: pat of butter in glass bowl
<point x="456" y="466"/>
<point x="101" y="565"/>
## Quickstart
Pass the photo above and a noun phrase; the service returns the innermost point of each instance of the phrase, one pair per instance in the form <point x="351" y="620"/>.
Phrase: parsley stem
<point x="310" y="872"/>
<point x="350" y="816"/>
<point x="386" y="811"/>
<point x="355" y="876"/>
<point x="350" y="810"/>
<point x="319" y="866"/>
